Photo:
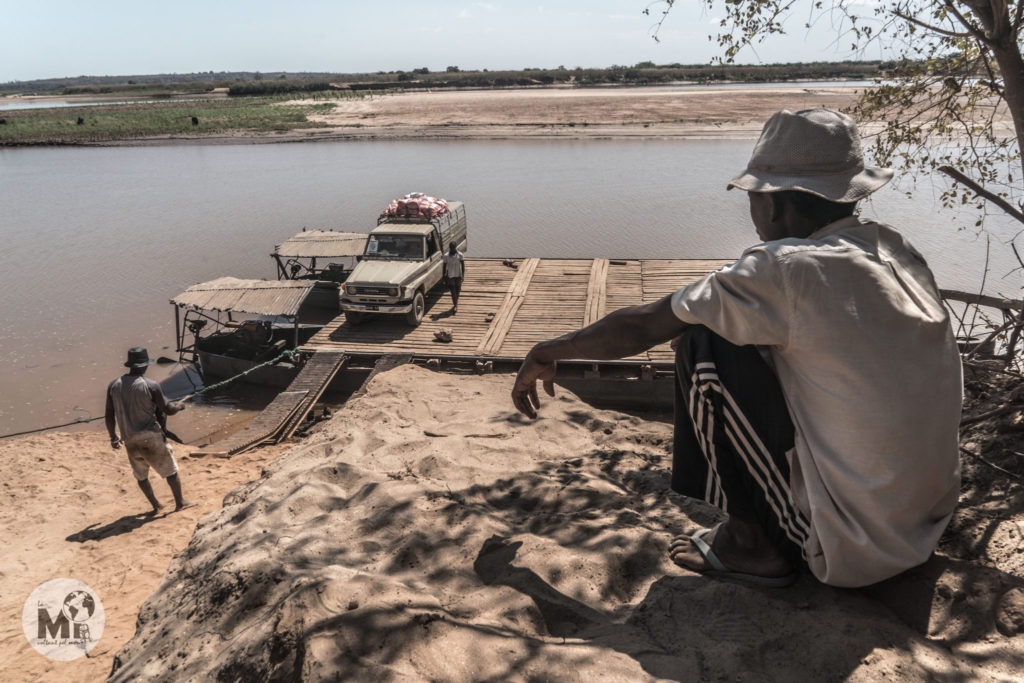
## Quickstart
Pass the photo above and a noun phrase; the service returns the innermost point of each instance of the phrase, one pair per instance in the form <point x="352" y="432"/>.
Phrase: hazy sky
<point x="57" y="38"/>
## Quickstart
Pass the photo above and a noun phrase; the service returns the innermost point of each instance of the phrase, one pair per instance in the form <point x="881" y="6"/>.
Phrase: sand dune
<point x="428" y="533"/>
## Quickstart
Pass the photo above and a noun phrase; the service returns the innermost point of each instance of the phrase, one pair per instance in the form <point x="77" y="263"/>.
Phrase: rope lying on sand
<point x="81" y="420"/>
<point x="288" y="353"/>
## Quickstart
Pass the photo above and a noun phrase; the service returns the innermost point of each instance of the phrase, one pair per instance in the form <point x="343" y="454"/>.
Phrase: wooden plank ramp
<point x="284" y="414"/>
<point x="508" y="305"/>
<point x="499" y="328"/>
<point x="263" y="428"/>
<point x="314" y="377"/>
<point x="597" y="292"/>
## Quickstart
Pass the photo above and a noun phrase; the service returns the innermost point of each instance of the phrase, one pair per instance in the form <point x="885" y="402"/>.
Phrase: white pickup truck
<point x="401" y="264"/>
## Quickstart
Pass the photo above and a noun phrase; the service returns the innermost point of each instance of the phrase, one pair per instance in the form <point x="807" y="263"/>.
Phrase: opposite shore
<point x="590" y="113"/>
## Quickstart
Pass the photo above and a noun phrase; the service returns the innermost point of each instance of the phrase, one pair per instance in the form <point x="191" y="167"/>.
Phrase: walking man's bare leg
<point x="147" y="489"/>
<point x="179" y="502"/>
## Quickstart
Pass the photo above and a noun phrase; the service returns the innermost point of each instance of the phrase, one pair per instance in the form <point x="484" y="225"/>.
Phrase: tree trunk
<point x="997" y="17"/>
<point x="1011" y="65"/>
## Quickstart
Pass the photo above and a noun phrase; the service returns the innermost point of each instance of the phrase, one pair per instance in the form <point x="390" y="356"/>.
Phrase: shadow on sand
<point x="124" y="525"/>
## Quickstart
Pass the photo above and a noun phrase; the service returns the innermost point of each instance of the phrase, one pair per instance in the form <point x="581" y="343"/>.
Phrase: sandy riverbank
<point x="69" y="507"/>
<point x="427" y="532"/>
<point x="669" y="112"/>
<point x="538" y="113"/>
<point x="618" y="112"/>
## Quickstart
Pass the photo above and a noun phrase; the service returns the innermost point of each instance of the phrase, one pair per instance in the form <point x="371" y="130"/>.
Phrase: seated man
<point x="819" y="385"/>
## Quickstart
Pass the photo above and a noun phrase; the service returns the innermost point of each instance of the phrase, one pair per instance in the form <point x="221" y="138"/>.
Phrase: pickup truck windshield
<point x="395" y="246"/>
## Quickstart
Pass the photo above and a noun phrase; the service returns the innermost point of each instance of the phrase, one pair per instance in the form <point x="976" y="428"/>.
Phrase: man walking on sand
<point x="133" y="404"/>
<point x="818" y="383"/>
<point x="454" y="270"/>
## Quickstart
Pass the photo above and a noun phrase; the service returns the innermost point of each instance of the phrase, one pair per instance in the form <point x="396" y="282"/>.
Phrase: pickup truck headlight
<point x="393" y="291"/>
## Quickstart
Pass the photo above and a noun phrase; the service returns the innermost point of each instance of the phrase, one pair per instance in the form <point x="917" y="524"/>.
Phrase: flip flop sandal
<point x="719" y="570"/>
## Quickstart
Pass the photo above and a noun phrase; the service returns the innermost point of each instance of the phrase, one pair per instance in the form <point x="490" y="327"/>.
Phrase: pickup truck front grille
<point x="374" y="291"/>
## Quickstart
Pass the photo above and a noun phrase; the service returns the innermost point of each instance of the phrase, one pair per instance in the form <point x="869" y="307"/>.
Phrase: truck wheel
<point x="415" y="316"/>
<point x="354" y="317"/>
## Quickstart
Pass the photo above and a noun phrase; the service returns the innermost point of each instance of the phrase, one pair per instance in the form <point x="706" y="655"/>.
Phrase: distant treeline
<point x="644" y="73"/>
<point x="178" y="82"/>
<point x="281" y="86"/>
<point x="641" y="74"/>
<point x="276" y="83"/>
<point x="148" y="89"/>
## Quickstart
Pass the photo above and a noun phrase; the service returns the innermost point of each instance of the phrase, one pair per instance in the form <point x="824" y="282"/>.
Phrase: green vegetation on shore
<point x="104" y="123"/>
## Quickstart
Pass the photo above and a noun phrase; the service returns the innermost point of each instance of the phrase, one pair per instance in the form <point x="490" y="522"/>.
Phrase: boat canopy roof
<point x="322" y="244"/>
<point x="255" y="297"/>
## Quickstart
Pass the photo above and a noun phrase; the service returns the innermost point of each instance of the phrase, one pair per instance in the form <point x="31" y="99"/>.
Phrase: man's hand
<point x="524" y="391"/>
<point x="177" y="406"/>
<point x="620" y="334"/>
<point x="115" y="442"/>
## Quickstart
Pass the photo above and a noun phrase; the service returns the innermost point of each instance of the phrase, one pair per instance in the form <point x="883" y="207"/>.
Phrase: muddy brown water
<point x="97" y="240"/>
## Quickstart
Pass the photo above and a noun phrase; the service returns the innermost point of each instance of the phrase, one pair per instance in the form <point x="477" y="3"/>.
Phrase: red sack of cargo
<point x="421" y="206"/>
<point x="416" y="205"/>
<point x="431" y="207"/>
<point x="391" y="209"/>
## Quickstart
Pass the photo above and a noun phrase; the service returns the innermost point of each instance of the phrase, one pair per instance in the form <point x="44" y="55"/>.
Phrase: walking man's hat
<point x="814" y="150"/>
<point x="138" y="357"/>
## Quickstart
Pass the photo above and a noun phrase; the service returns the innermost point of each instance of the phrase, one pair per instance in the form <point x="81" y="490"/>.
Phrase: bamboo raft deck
<point x="505" y="309"/>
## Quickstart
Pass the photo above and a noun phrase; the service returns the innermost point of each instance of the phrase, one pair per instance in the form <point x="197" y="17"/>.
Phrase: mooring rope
<point x="287" y="353"/>
<point x="81" y="420"/>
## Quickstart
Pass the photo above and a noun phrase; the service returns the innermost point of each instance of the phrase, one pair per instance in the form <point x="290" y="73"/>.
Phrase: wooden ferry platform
<point x="508" y="305"/>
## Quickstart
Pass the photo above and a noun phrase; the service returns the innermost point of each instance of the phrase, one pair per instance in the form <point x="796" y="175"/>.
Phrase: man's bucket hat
<point x="814" y="150"/>
<point x="138" y="357"/>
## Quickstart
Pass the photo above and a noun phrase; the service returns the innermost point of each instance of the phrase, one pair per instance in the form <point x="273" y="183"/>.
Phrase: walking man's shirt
<point x="135" y="400"/>
<point x="455" y="267"/>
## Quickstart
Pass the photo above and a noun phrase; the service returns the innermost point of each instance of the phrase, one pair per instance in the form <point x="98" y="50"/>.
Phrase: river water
<point x="97" y="240"/>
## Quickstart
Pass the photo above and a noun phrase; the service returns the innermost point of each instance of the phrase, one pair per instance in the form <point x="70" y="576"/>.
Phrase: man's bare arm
<point x="625" y="332"/>
<point x="111" y="422"/>
<point x="161" y="402"/>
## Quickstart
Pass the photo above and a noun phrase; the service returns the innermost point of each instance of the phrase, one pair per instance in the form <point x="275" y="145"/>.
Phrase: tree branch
<point x="934" y="29"/>
<point x="992" y="465"/>
<point x="982" y="192"/>
<point x="988" y="368"/>
<point x="982" y="300"/>
<point x="654" y="30"/>
<point x="978" y="33"/>
<point x="983" y="9"/>
<point x="967" y="421"/>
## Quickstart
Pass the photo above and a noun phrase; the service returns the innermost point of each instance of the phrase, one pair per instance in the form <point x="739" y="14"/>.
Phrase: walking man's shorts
<point x="150" y="449"/>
